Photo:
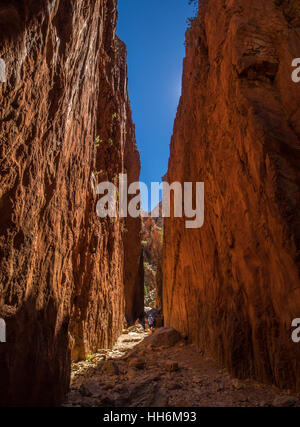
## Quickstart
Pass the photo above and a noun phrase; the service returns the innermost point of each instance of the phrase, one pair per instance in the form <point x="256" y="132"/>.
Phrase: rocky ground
<point x="161" y="370"/>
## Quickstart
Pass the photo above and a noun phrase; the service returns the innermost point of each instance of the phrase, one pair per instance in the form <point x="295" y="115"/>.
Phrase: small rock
<point x="137" y="364"/>
<point x="74" y="397"/>
<point x="132" y="373"/>
<point x="236" y="384"/>
<point x="84" y="391"/>
<point x="265" y="404"/>
<point x="161" y="399"/>
<point x="91" y="389"/>
<point x="108" y="386"/>
<point x="175" y="386"/>
<point x="172" y="366"/>
<point x="119" y="388"/>
<point x="163" y="337"/>
<point x="110" y="368"/>
<point x="285" y="402"/>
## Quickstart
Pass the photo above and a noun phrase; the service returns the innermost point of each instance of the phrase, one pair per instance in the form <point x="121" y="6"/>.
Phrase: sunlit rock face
<point x="65" y="125"/>
<point x="152" y="238"/>
<point x="233" y="286"/>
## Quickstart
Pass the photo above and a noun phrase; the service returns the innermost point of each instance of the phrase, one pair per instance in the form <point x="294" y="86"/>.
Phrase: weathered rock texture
<point x="134" y="270"/>
<point x="65" y="125"/>
<point x="233" y="286"/>
<point x="152" y="238"/>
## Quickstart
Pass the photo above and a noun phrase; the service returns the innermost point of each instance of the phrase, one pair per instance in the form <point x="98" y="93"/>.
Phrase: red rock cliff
<point x="152" y="237"/>
<point x="233" y="286"/>
<point x="65" y="125"/>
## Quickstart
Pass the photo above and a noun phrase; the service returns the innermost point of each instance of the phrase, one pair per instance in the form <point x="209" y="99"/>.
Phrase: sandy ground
<point x="162" y="370"/>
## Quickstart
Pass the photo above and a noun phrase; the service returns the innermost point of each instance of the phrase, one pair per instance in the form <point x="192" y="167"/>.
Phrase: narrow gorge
<point x="73" y="284"/>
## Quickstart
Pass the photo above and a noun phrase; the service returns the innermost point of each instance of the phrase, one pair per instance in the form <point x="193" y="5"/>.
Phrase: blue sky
<point x="154" y="34"/>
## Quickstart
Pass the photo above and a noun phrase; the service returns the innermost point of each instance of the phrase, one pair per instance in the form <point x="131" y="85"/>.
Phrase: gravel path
<point x="161" y="370"/>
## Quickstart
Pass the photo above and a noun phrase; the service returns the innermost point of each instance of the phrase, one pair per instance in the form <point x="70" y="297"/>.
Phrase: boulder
<point x="163" y="337"/>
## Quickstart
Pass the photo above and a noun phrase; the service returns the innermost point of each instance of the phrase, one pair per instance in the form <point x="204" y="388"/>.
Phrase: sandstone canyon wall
<point x="233" y="285"/>
<point x="152" y="241"/>
<point x="65" y="125"/>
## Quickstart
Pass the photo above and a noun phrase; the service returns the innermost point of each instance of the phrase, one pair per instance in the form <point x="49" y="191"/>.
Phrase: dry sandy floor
<point x="161" y="370"/>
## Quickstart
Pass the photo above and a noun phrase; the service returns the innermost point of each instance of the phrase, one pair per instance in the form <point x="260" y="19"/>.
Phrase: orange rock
<point x="233" y="286"/>
<point x="65" y="125"/>
<point x="172" y="366"/>
<point x="152" y="238"/>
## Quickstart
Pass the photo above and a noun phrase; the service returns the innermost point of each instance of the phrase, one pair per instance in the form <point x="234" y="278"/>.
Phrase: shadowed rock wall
<point x="233" y="286"/>
<point x="65" y="126"/>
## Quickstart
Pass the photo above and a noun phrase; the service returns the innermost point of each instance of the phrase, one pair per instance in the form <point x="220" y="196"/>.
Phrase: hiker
<point x="150" y="321"/>
<point x="143" y="323"/>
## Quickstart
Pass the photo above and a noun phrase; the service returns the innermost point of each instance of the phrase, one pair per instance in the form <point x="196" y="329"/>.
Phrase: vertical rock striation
<point x="134" y="268"/>
<point x="65" y="126"/>
<point x="233" y="286"/>
<point x="152" y="239"/>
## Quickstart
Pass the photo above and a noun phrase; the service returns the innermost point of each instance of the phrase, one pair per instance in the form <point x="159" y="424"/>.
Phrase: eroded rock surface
<point x="65" y="126"/>
<point x="233" y="286"/>
<point x="152" y="239"/>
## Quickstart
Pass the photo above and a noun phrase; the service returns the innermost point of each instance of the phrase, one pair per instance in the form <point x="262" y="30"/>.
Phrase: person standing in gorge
<point x="150" y="321"/>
